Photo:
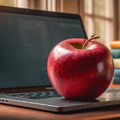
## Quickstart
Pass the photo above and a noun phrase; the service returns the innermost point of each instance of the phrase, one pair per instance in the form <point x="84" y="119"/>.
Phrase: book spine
<point x="116" y="80"/>
<point x="117" y="72"/>
<point x="115" y="53"/>
<point x="115" y="44"/>
<point x="116" y="62"/>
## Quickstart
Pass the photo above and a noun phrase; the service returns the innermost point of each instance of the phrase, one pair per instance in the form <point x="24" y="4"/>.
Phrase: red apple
<point x="80" y="70"/>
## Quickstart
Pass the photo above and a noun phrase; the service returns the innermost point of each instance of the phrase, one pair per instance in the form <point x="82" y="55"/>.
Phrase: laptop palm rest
<point x="60" y="104"/>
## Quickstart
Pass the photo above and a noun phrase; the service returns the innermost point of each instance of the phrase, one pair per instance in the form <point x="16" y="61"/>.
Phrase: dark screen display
<point x="25" y="43"/>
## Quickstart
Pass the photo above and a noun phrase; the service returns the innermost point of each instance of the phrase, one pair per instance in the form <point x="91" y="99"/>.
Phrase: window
<point x="7" y="2"/>
<point x="16" y="3"/>
<point x="98" y="16"/>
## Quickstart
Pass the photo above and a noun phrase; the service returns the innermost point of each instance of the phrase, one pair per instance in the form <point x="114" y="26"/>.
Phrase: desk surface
<point x="16" y="113"/>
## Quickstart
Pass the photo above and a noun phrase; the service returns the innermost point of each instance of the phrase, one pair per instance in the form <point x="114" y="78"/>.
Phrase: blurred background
<point x="101" y="17"/>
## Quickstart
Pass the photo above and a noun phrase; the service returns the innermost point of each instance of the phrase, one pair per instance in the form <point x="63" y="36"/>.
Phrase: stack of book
<point x="115" y="50"/>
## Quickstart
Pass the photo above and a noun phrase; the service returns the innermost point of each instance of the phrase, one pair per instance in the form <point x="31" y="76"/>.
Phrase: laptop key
<point x="44" y="94"/>
<point x="36" y="95"/>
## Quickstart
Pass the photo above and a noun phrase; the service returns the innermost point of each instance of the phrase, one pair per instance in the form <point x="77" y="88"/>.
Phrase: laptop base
<point x="60" y="104"/>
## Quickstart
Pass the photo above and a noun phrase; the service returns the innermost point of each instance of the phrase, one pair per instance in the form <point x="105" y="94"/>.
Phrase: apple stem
<point x="91" y="38"/>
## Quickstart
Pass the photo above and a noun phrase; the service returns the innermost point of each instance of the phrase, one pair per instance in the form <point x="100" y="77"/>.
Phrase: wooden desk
<point x="16" y="113"/>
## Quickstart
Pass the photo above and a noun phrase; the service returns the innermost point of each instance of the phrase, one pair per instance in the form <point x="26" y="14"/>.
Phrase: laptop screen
<point x="26" y="38"/>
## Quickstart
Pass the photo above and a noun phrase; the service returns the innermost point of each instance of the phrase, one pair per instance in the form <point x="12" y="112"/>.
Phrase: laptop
<point x="26" y="38"/>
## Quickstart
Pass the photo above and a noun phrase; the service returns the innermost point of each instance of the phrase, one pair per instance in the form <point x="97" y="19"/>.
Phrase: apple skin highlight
<point x="80" y="73"/>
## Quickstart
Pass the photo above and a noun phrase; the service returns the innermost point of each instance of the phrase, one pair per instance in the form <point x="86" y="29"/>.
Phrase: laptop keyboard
<point x="48" y="94"/>
<point x="36" y="95"/>
<point x="112" y="90"/>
